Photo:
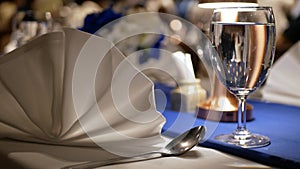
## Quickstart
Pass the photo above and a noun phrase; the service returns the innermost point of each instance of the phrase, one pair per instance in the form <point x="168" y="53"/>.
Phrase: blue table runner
<point x="279" y="122"/>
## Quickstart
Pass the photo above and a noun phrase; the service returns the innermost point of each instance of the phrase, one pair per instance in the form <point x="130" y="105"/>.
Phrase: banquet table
<point x="278" y="121"/>
<point x="62" y="48"/>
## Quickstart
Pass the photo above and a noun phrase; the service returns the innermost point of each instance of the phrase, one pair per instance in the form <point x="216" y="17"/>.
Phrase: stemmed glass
<point x="244" y="38"/>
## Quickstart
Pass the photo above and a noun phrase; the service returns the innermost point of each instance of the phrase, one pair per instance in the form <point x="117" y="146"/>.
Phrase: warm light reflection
<point x="167" y="3"/>
<point x="229" y="15"/>
<point x="223" y="103"/>
<point x="200" y="52"/>
<point x="176" y="25"/>
<point x="259" y="44"/>
<point x="175" y="39"/>
<point x="214" y="5"/>
<point x="185" y="144"/>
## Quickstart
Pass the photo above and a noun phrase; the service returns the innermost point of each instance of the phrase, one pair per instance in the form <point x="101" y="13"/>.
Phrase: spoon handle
<point x="118" y="160"/>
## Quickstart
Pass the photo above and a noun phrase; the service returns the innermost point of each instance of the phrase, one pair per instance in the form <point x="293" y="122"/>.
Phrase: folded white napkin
<point x="283" y="83"/>
<point x="73" y="88"/>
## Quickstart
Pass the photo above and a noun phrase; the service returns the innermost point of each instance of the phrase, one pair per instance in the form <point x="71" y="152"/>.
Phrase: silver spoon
<point x="179" y="145"/>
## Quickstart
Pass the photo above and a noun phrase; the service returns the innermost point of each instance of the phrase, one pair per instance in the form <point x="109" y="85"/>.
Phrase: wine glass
<point x="244" y="38"/>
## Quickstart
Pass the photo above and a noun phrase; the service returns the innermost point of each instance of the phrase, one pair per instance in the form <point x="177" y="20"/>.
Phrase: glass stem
<point x="242" y="113"/>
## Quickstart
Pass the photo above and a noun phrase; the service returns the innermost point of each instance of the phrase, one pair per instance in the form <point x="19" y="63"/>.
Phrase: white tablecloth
<point x="16" y="154"/>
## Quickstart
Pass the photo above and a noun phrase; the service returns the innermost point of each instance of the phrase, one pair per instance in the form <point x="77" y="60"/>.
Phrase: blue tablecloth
<point x="279" y="122"/>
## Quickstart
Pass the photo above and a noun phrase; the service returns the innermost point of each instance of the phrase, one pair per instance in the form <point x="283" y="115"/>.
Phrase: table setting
<point x="72" y="99"/>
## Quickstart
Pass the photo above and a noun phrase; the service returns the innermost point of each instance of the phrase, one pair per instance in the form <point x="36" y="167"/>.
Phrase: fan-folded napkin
<point x="74" y="88"/>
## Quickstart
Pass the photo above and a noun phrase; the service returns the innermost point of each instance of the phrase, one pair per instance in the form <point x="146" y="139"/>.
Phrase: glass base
<point x="244" y="139"/>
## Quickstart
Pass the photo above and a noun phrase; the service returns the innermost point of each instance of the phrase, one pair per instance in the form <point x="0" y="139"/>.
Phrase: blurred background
<point x="22" y="20"/>
<point x="72" y="13"/>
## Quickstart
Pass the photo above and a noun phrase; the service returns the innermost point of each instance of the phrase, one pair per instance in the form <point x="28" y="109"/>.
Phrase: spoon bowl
<point x="185" y="141"/>
<point x="177" y="146"/>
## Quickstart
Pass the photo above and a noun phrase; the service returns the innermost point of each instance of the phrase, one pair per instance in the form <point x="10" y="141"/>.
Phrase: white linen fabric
<point x="283" y="82"/>
<point x="36" y="156"/>
<point x="69" y="88"/>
